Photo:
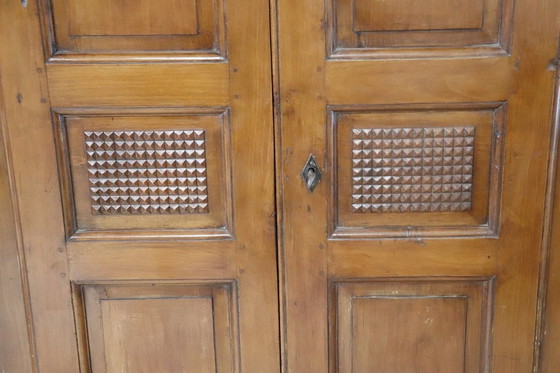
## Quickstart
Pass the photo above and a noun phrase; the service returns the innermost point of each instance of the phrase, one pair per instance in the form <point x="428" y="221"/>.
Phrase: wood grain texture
<point x="28" y="119"/>
<point x="176" y="85"/>
<point x="143" y="94"/>
<point x="428" y="332"/>
<point x="85" y="30"/>
<point x="411" y="325"/>
<point x="16" y="354"/>
<point x="183" y="328"/>
<point x="373" y="28"/>
<point x="312" y="81"/>
<point x="251" y="115"/>
<point x="547" y="356"/>
<point x="364" y="82"/>
<point x="301" y="55"/>
<point x="144" y="17"/>
<point x="408" y="15"/>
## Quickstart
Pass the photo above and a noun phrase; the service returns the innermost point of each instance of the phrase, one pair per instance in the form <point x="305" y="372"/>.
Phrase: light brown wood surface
<point x="154" y="219"/>
<point x="344" y="93"/>
<point x="546" y="351"/>
<point x="15" y="352"/>
<point x="143" y="161"/>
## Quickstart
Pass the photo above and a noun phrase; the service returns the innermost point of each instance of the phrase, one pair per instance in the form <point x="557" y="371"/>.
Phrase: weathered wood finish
<point x="439" y="324"/>
<point x="86" y="30"/>
<point x="201" y="284"/>
<point x="16" y="351"/>
<point x="547" y="351"/>
<point x="373" y="28"/>
<point x="139" y="173"/>
<point x="399" y="75"/>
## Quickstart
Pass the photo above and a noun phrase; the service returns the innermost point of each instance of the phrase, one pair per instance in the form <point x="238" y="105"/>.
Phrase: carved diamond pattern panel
<point x="147" y="172"/>
<point x="412" y="169"/>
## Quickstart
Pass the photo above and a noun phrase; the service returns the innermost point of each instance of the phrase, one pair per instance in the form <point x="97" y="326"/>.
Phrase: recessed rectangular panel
<point x="402" y="172"/>
<point x="120" y="29"/>
<point x="166" y="173"/>
<point x="378" y="28"/>
<point x="157" y="327"/>
<point x="381" y="15"/>
<point x="133" y="18"/>
<point x="410" y="325"/>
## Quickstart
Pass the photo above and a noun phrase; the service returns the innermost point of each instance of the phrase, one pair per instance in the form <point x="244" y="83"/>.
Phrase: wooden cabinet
<point x="156" y="217"/>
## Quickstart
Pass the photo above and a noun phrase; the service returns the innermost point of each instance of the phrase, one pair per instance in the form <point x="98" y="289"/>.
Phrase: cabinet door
<point x="141" y="147"/>
<point x="419" y="249"/>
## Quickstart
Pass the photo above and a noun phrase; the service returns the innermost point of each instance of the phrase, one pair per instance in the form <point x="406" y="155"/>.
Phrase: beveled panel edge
<point x="54" y="56"/>
<point x="491" y="229"/>
<point x="543" y="354"/>
<point x="74" y="234"/>
<point x="152" y="235"/>
<point x="488" y="286"/>
<point x="501" y="48"/>
<point x="144" y="57"/>
<point x="416" y="53"/>
<point x="79" y="309"/>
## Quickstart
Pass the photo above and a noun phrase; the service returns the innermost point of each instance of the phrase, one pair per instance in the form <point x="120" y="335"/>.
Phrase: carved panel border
<point x="208" y="42"/>
<point x="168" y="179"/>
<point x="346" y="41"/>
<point x="476" y="293"/>
<point x="428" y="198"/>
<point x="89" y="299"/>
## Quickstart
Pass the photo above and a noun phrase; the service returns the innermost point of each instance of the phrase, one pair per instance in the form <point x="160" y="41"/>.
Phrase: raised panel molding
<point x="431" y="28"/>
<point x="185" y="327"/>
<point x="145" y="173"/>
<point x="415" y="171"/>
<point x="410" y="324"/>
<point x="145" y="30"/>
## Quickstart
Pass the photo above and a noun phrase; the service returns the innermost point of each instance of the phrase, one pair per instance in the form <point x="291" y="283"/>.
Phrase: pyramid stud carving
<point x="147" y="172"/>
<point x="426" y="169"/>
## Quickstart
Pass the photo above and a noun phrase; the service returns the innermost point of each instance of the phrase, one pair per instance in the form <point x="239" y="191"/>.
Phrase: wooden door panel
<point x="362" y="82"/>
<point x="165" y="174"/>
<point x="158" y="327"/>
<point x="147" y="231"/>
<point x="424" y="171"/>
<point x="85" y="29"/>
<point x="435" y="325"/>
<point x="371" y="27"/>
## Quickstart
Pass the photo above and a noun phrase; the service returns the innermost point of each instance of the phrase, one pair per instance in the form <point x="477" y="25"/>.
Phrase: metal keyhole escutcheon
<point x="311" y="173"/>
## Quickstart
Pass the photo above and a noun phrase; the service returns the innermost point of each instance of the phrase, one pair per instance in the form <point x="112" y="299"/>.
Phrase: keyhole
<point x="310" y="177"/>
<point x="311" y="173"/>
